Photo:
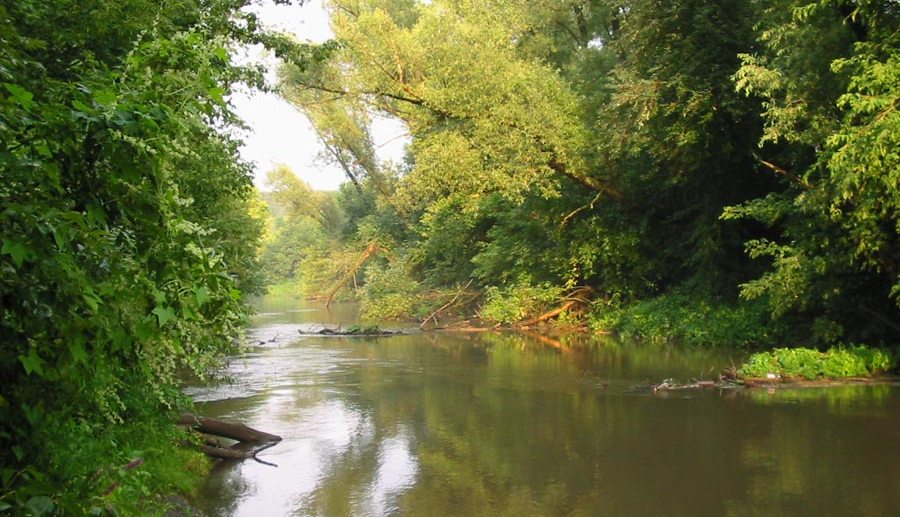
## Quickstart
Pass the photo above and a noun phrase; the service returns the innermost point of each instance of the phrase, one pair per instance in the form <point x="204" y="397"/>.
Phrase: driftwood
<point x="369" y="251"/>
<point x="670" y="385"/>
<point x="353" y="332"/>
<point x="726" y="381"/>
<point x="579" y="296"/>
<point x="214" y="426"/>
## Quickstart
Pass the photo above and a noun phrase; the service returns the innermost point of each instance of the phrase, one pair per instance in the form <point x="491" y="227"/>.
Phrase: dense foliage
<point x="127" y="240"/>
<point x="714" y="171"/>
<point x="834" y="363"/>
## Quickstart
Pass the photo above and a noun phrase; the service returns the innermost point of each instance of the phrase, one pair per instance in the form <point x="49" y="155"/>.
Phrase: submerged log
<point x="225" y="453"/>
<point x="670" y="385"/>
<point x="235" y="431"/>
<point x="354" y="331"/>
<point x="727" y="382"/>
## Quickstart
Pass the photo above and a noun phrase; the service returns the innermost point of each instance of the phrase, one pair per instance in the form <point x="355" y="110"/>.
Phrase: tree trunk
<point x="239" y="432"/>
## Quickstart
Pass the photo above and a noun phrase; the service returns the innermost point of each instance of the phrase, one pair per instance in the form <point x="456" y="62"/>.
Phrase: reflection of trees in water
<point x="380" y="394"/>
<point x="505" y="424"/>
<point x="822" y="451"/>
<point x="346" y="475"/>
<point x="228" y="485"/>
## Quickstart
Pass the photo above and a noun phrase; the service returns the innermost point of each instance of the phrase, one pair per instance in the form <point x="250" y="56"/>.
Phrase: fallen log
<point x="235" y="431"/>
<point x="547" y="315"/>
<point x="670" y="385"/>
<point x="353" y="331"/>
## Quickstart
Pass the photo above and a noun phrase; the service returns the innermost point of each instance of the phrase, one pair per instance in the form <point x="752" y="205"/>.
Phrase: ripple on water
<point x="277" y="371"/>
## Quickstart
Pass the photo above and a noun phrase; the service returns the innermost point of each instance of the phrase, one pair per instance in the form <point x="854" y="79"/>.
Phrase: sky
<point x="278" y="133"/>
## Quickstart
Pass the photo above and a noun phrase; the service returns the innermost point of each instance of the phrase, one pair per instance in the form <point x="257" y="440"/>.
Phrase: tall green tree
<point x="126" y="239"/>
<point x="827" y="75"/>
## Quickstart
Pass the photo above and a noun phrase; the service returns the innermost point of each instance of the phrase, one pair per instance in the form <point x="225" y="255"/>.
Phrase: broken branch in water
<point x="444" y="307"/>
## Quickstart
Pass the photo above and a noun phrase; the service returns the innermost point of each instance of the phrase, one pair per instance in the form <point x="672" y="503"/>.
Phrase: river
<point x="510" y="424"/>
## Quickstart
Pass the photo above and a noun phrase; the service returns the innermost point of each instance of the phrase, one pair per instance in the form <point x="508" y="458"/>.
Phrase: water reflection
<point x="506" y="424"/>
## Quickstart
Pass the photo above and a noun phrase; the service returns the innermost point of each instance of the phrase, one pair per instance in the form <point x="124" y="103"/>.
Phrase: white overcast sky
<point x="278" y="132"/>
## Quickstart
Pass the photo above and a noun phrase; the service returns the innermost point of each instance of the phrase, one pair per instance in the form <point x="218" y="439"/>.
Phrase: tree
<point x="126" y="239"/>
<point x="827" y="77"/>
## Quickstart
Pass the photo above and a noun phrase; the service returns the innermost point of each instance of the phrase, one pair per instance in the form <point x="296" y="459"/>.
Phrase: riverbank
<point x="669" y="319"/>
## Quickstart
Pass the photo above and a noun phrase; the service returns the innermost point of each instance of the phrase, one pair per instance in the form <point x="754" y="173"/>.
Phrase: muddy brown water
<point x="505" y="424"/>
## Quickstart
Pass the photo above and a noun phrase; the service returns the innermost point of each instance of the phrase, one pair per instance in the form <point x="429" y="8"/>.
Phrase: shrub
<point x="517" y="302"/>
<point x="838" y="362"/>
<point x="390" y="292"/>
<point x="684" y="319"/>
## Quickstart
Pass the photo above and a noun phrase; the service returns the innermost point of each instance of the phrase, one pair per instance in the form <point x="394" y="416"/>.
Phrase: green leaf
<point x="221" y="53"/>
<point x="145" y="329"/>
<point x="76" y="348"/>
<point x="82" y="107"/>
<point x="16" y="250"/>
<point x="105" y="98"/>
<point x="40" y="505"/>
<point x="32" y="363"/>
<point x="22" y="96"/>
<point x="202" y="295"/>
<point x="43" y="149"/>
<point x="163" y="314"/>
<point x="92" y="300"/>
<point x="121" y="339"/>
<point x="217" y="94"/>
<point x="4" y="506"/>
<point x="96" y="215"/>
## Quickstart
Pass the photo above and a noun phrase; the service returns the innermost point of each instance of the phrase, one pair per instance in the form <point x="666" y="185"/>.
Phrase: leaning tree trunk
<point x="235" y="431"/>
<point x="232" y="430"/>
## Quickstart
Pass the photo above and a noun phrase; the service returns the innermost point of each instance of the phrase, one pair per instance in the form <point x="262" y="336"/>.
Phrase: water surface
<point x="511" y="424"/>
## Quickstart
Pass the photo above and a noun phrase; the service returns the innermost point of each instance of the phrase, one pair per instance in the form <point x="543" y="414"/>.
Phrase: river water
<point x="509" y="424"/>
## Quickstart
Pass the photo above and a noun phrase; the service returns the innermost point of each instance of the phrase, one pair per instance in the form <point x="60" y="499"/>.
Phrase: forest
<point x="707" y="172"/>
<point x="702" y="172"/>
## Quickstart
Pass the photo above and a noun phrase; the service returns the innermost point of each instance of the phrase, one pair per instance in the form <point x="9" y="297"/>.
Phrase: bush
<point x="835" y="363"/>
<point x="390" y="292"/>
<point x="517" y="302"/>
<point x="685" y="319"/>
